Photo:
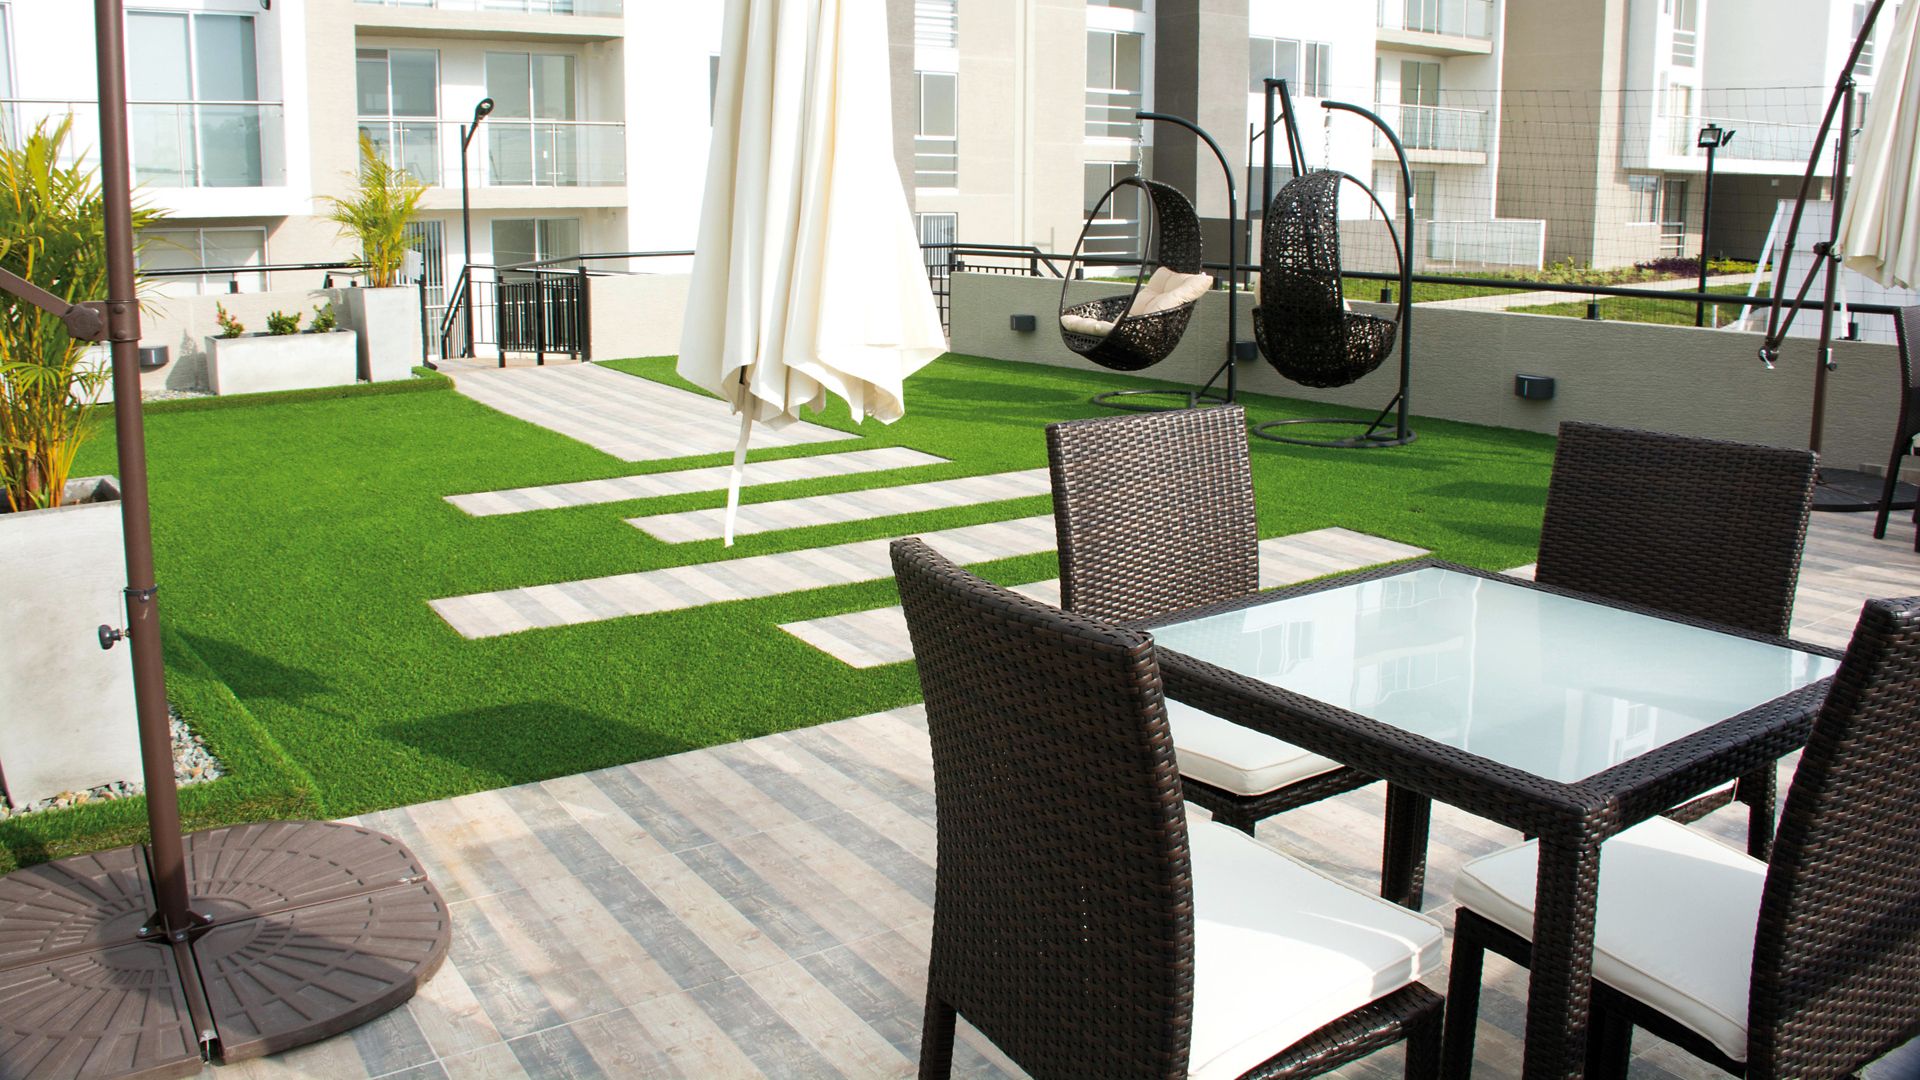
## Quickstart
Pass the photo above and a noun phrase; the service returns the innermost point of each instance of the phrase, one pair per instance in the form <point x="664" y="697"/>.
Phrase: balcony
<point x="1758" y="146"/>
<point x="1110" y="113"/>
<point x="175" y="144"/>
<point x="1436" y="133"/>
<point x="507" y="153"/>
<point x="1441" y="27"/>
<point x="591" y="8"/>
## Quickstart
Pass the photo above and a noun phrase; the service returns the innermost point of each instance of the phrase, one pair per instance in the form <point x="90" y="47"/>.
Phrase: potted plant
<point x="386" y="314"/>
<point x="67" y="720"/>
<point x="283" y="358"/>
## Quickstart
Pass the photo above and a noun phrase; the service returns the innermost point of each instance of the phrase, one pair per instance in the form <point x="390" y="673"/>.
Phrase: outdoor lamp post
<point x="467" y="131"/>
<point x="1712" y="138"/>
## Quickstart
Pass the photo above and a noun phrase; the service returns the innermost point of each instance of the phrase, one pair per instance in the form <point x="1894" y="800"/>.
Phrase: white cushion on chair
<point x="1675" y="926"/>
<point x="1236" y="758"/>
<point x="1084" y="325"/>
<point x="1281" y="951"/>
<point x="1170" y="291"/>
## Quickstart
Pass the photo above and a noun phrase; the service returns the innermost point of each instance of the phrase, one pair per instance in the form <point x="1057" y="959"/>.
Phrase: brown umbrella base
<point x="1848" y="492"/>
<point x="312" y="928"/>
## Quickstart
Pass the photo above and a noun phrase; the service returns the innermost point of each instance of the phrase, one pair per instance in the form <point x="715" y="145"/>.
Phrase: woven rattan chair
<point x="1906" y="328"/>
<point x="1137" y="340"/>
<point x="1154" y="513"/>
<point x="1805" y="967"/>
<point x="1697" y="527"/>
<point x="1082" y="921"/>
<point x="1302" y="324"/>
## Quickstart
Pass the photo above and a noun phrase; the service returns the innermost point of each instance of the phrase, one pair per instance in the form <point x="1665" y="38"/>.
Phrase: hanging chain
<point x="1326" y="132"/>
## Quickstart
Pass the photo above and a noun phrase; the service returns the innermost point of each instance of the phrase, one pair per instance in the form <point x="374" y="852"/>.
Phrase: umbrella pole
<point x="1823" y="356"/>
<point x="168" y="864"/>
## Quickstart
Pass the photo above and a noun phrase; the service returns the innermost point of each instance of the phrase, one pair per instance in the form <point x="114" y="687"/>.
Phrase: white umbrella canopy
<point x="1880" y="225"/>
<point x="807" y="276"/>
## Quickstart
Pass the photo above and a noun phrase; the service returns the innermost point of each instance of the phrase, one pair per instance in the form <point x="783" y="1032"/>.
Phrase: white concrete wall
<point x="1680" y="379"/>
<point x="635" y="314"/>
<point x="1349" y="30"/>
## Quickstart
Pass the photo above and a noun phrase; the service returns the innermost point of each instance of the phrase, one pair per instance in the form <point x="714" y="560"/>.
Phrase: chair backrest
<point x="1906" y="334"/>
<point x="1697" y="527"/>
<point x="1154" y="511"/>
<point x="1836" y="965"/>
<point x="1063" y="918"/>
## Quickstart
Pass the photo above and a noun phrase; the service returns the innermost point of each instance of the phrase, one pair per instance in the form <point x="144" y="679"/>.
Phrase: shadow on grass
<point x="533" y="740"/>
<point x="251" y="675"/>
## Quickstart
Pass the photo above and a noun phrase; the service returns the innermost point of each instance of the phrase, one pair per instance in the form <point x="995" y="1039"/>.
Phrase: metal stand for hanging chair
<point x="1302" y="325"/>
<point x="1835" y="490"/>
<point x="1177" y="240"/>
<point x="147" y="961"/>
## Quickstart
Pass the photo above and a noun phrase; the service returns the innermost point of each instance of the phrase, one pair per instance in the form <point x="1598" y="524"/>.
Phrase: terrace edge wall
<point x="635" y="314"/>
<point x="1666" y="378"/>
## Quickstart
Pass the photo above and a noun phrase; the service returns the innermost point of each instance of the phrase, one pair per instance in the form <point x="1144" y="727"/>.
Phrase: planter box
<point x="257" y="362"/>
<point x="388" y="321"/>
<point x="68" y="720"/>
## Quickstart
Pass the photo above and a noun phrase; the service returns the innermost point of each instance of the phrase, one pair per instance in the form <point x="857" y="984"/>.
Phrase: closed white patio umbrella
<point x="1880" y="224"/>
<point x="807" y="277"/>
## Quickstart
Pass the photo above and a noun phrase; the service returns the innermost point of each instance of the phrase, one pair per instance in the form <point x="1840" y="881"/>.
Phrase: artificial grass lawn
<point x="299" y="542"/>
<point x="1638" y="309"/>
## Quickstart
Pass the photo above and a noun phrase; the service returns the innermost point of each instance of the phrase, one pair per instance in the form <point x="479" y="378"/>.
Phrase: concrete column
<point x="1200" y="73"/>
<point x="900" y="61"/>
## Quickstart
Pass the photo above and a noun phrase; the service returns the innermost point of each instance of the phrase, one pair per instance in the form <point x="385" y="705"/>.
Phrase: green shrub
<point x="229" y="326"/>
<point x="324" y="320"/>
<point x="281" y="323"/>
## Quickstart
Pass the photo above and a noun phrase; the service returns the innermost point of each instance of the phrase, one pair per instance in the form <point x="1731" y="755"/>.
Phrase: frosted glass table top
<point x="1554" y="686"/>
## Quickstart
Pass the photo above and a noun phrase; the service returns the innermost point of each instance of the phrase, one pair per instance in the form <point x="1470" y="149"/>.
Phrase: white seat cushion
<point x="1081" y="324"/>
<point x="1236" y="758"/>
<point x="1173" y="290"/>
<point x="1675" y="925"/>
<point x="1281" y="951"/>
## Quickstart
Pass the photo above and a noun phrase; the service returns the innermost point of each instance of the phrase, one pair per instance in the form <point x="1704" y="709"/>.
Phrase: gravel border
<point x="192" y="764"/>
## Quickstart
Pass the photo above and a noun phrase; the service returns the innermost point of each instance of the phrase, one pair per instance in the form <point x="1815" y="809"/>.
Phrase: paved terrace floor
<point x="763" y="908"/>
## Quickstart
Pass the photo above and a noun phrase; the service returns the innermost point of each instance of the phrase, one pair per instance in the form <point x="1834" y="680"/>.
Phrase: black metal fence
<point x="518" y="310"/>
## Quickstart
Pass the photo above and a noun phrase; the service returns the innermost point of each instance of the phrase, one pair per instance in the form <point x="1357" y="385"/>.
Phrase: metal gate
<point x="542" y="312"/>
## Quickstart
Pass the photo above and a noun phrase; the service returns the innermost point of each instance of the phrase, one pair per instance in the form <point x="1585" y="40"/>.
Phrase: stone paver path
<point x="631" y="418"/>
<point x="864" y="639"/>
<point x="645" y="592"/>
<point x="653" y="485"/>
<point x="847" y="506"/>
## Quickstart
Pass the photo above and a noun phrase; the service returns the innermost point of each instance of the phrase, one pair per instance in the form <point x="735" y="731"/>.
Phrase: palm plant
<point x="53" y="233"/>
<point x="378" y="213"/>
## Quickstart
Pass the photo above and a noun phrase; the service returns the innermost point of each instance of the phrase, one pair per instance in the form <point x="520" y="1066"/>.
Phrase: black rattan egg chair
<point x="1302" y="324"/>
<point x="1142" y="340"/>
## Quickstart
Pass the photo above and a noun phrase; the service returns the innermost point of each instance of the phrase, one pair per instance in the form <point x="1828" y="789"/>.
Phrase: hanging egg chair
<point x="1138" y="328"/>
<point x="1302" y="323"/>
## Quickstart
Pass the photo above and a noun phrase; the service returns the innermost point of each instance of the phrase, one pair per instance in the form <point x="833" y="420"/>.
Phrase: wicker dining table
<point x="1562" y="715"/>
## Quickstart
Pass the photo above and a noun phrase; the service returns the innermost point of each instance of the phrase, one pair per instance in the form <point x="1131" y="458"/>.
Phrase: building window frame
<point x="416" y="135"/>
<point x="936" y="138"/>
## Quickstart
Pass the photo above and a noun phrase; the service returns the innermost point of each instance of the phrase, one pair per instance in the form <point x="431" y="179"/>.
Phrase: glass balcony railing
<point x="936" y="161"/>
<point x="505" y="153"/>
<point x="602" y="8"/>
<point x="1454" y="18"/>
<point x="1110" y="113"/>
<point x="1436" y="127"/>
<point x="175" y="144"/>
<point x="1754" y="140"/>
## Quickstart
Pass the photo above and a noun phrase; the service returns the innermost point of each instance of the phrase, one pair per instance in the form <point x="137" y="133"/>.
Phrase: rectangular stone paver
<point x="847" y="506"/>
<point x="510" y="611"/>
<point x="633" y="419"/>
<point x="714" y="478"/>
<point x="865" y="639"/>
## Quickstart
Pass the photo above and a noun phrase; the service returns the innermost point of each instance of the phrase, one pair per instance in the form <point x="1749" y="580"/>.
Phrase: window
<point x="1685" y="35"/>
<point x="1865" y="66"/>
<point x="1130" y="5"/>
<point x="195" y="93"/>
<point x="531" y="138"/>
<point x="393" y="84"/>
<point x="525" y="240"/>
<point x="187" y="249"/>
<point x="1643" y="200"/>
<point x="1305" y="67"/>
<point x="936" y="154"/>
<point x="1423" y="194"/>
<point x="1419" y="105"/>
<point x="1114" y="229"/>
<point x="1114" y="83"/>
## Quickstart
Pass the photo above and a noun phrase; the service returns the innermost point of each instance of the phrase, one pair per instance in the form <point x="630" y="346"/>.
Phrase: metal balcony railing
<point x="1454" y="18"/>
<point x="1435" y="127"/>
<point x="176" y="144"/>
<point x="1110" y="113"/>
<point x="506" y="152"/>
<point x="604" y="8"/>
